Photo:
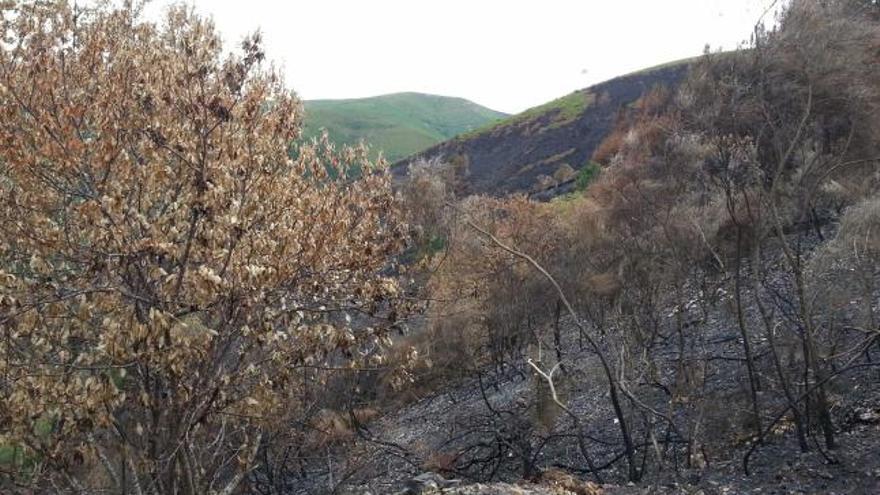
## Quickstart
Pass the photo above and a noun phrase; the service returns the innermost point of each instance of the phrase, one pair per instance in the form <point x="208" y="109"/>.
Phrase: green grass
<point x="587" y="175"/>
<point x="673" y="63"/>
<point x="398" y="124"/>
<point x="556" y="113"/>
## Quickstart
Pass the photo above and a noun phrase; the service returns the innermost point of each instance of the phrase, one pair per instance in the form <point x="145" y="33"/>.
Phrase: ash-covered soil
<point x="490" y="428"/>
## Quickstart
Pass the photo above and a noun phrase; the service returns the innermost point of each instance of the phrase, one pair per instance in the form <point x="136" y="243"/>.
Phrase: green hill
<point x="399" y="124"/>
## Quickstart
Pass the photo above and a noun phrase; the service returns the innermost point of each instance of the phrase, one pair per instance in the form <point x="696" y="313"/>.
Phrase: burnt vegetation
<point x="189" y="303"/>
<point x="709" y="297"/>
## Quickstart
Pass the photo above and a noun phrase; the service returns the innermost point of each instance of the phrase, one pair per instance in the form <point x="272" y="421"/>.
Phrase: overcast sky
<point x="508" y="55"/>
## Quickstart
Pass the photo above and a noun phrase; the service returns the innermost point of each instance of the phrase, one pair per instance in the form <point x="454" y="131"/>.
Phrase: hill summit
<point x="397" y="124"/>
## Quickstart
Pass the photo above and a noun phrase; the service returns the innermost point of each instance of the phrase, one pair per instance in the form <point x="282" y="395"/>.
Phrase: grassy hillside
<point x="552" y="114"/>
<point x="399" y="124"/>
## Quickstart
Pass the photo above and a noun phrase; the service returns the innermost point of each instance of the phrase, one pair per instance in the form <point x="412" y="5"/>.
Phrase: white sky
<point x="508" y="55"/>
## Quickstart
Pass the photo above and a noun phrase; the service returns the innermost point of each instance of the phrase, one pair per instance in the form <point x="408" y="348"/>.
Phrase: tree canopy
<point x="171" y="258"/>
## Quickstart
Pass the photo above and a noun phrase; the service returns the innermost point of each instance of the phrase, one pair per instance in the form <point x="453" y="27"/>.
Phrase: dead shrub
<point x="563" y="480"/>
<point x="440" y="462"/>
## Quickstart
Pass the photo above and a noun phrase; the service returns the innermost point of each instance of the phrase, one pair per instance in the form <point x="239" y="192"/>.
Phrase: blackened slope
<point x="510" y="156"/>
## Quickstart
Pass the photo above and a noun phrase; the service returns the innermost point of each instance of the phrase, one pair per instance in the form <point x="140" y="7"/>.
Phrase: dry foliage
<point x="709" y="203"/>
<point x="171" y="266"/>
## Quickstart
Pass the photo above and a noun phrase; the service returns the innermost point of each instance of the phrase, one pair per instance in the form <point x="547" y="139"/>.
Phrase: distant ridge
<point x="398" y="124"/>
<point x="511" y="155"/>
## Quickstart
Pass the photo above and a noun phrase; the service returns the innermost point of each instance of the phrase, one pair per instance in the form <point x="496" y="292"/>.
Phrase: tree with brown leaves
<point x="171" y="266"/>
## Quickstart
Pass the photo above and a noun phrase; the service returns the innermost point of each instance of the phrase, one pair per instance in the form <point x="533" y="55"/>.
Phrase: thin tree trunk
<point x="740" y="318"/>
<point x="629" y="449"/>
